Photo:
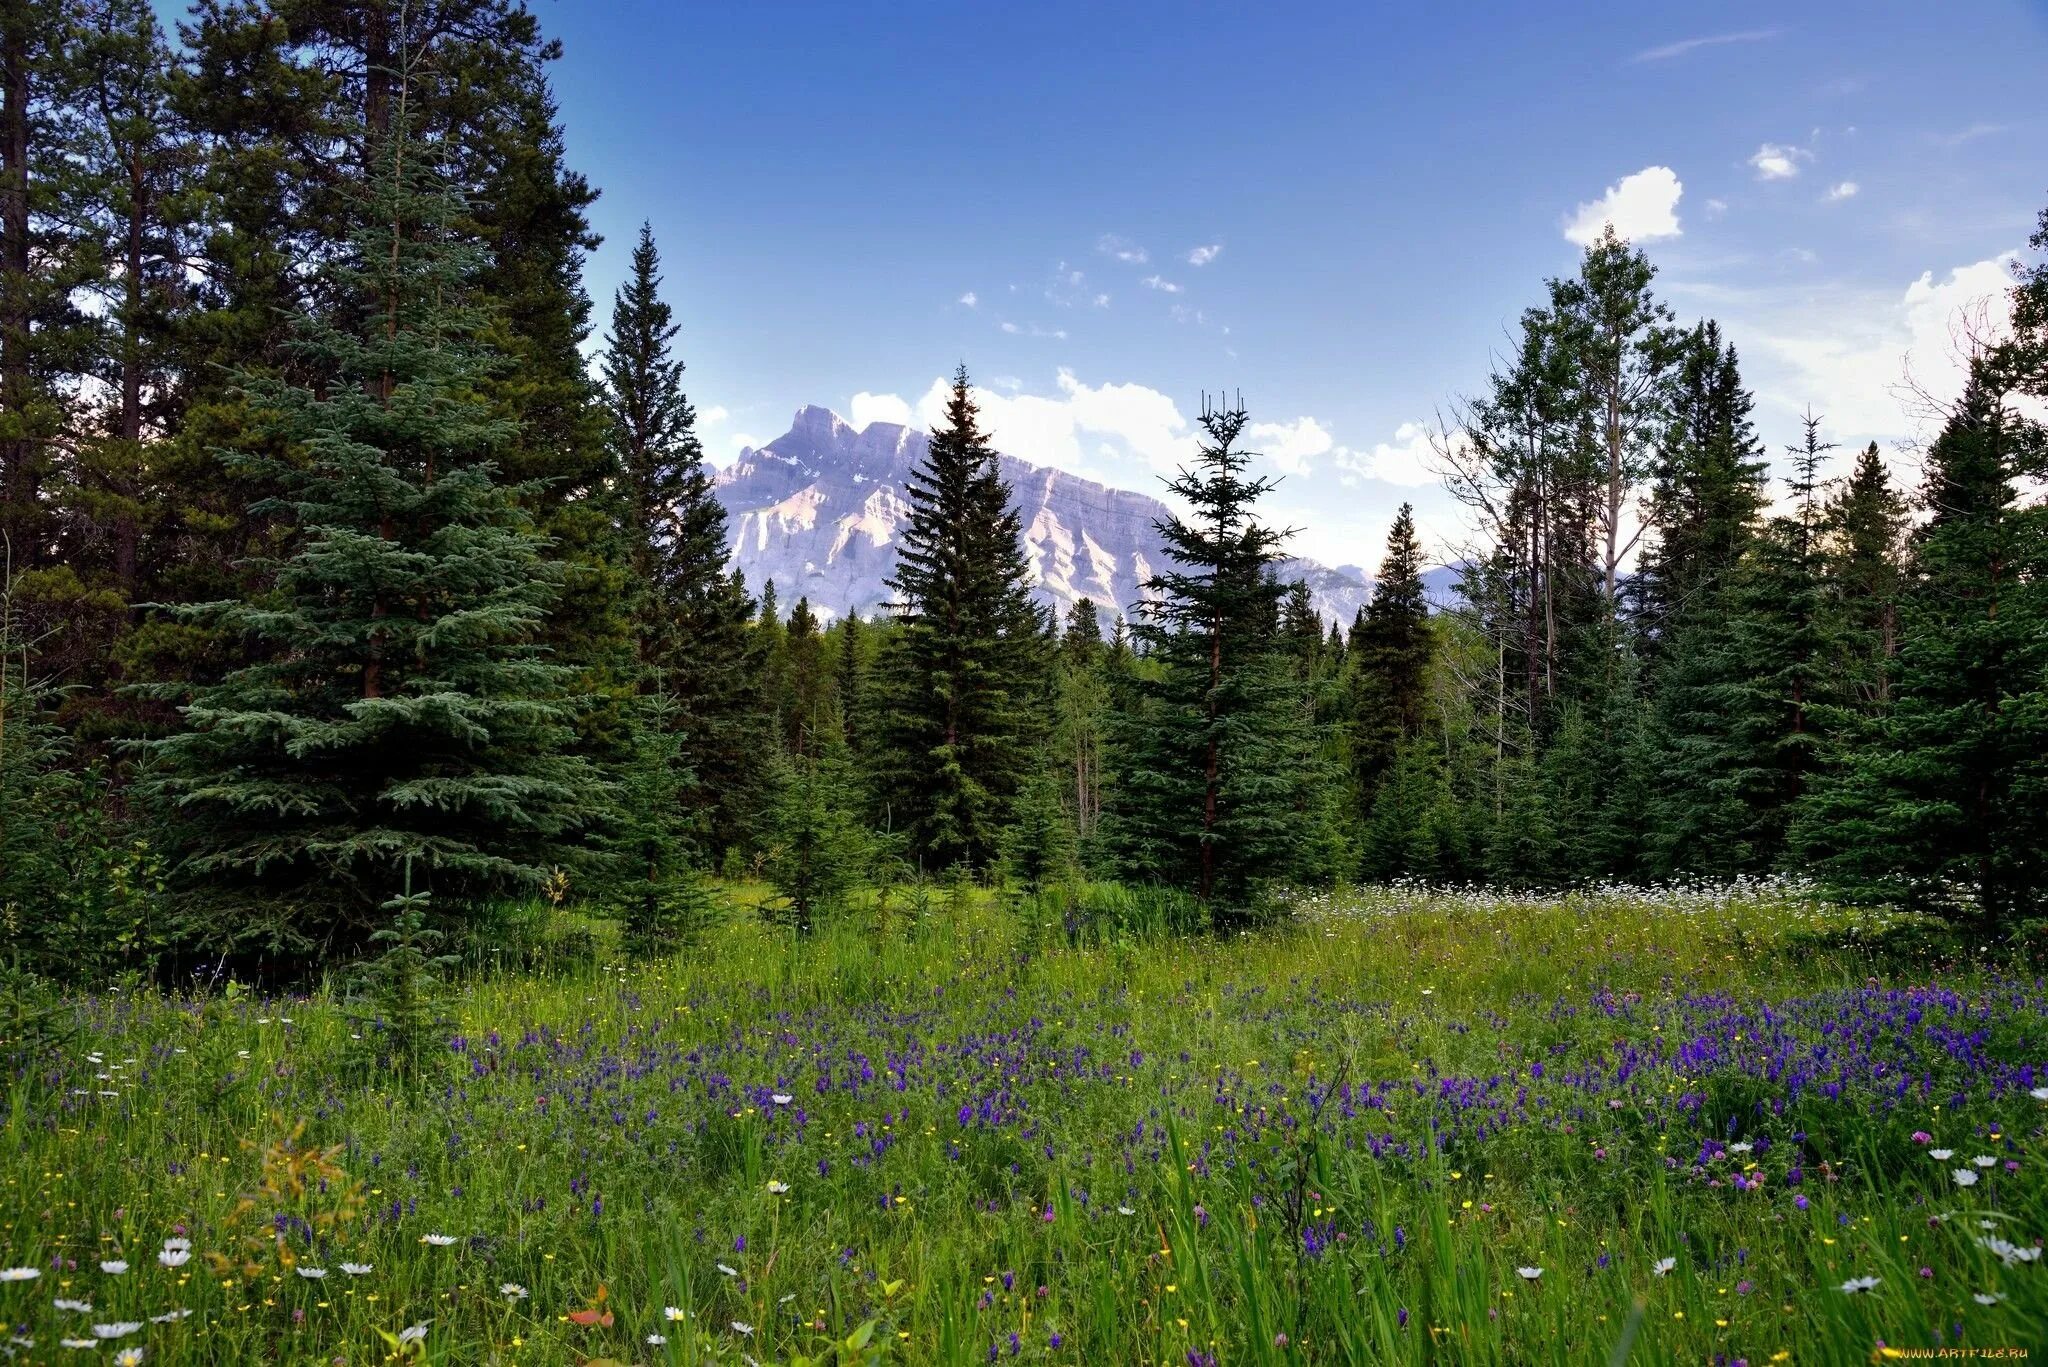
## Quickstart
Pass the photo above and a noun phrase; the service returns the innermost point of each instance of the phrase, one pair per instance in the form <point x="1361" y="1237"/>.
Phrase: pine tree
<point x="817" y="850"/>
<point x="1746" y="712"/>
<point x="1390" y="658"/>
<point x="399" y="711"/>
<point x="1946" y="809"/>
<point x="965" y="669"/>
<point x="1211" y="755"/>
<point x="849" y="683"/>
<point x="1707" y="492"/>
<point x="688" y="614"/>
<point x="1865" y="530"/>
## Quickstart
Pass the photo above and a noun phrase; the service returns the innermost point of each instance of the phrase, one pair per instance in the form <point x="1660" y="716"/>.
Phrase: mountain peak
<point x="819" y="511"/>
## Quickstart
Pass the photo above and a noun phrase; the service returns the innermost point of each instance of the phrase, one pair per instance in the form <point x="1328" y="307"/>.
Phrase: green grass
<point x="615" y="1125"/>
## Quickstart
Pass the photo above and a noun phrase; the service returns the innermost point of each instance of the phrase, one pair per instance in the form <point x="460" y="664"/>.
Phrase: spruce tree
<point x="1390" y="658"/>
<point x="1747" y="709"/>
<point x="689" y="614"/>
<point x="1707" y="492"/>
<point x="1866" y="529"/>
<point x="1945" y="810"/>
<point x="398" y="710"/>
<point x="964" y="673"/>
<point x="1211" y="755"/>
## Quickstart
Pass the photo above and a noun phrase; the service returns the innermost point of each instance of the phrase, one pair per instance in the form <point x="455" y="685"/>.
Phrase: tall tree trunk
<point x="18" y="476"/>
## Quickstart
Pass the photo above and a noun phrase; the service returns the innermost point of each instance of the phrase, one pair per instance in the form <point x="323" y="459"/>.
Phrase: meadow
<point x="1728" y="1125"/>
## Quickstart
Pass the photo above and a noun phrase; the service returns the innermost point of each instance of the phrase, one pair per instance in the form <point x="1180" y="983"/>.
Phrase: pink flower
<point x="1922" y="1137"/>
<point x="1927" y="1272"/>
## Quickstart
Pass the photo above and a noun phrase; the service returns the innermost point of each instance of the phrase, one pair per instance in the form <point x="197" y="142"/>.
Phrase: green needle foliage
<point x="396" y="707"/>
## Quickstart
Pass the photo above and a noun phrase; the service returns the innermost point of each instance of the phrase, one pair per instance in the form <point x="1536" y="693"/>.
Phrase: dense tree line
<point x="336" y="578"/>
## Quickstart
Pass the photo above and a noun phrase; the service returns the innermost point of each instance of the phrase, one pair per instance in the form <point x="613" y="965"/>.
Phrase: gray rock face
<point x="819" y="510"/>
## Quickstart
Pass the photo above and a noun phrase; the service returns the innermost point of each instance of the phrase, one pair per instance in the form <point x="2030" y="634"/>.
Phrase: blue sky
<point x="1334" y="210"/>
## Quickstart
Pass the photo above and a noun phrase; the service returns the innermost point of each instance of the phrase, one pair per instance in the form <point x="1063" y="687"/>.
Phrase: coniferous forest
<point x="370" y="632"/>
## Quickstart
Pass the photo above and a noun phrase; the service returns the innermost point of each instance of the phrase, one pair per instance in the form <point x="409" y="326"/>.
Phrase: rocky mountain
<point x="818" y="510"/>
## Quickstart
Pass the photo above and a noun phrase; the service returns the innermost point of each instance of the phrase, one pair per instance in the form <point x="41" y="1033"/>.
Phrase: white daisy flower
<point x="656" y="1339"/>
<point x="1859" y="1284"/>
<point x="1941" y="1155"/>
<point x="413" y="1333"/>
<point x="1741" y="1146"/>
<point x="437" y="1240"/>
<point x="513" y="1291"/>
<point x="128" y="1357"/>
<point x="1529" y="1274"/>
<point x="79" y="1343"/>
<point x="312" y="1274"/>
<point x="1125" y="1210"/>
<point x="1965" y="1177"/>
<point x="1985" y="1160"/>
<point x="356" y="1269"/>
<point x="170" y="1317"/>
<point x="1663" y="1266"/>
<point x="19" y="1274"/>
<point x="76" y="1307"/>
<point x="778" y="1188"/>
<point x="119" y="1329"/>
<point x="672" y="1314"/>
<point x="742" y="1327"/>
<point x="1987" y="1298"/>
<point x="113" y="1267"/>
<point x="781" y="1098"/>
<point x="2039" y="1094"/>
<point x="728" y="1271"/>
<point x="175" y="1257"/>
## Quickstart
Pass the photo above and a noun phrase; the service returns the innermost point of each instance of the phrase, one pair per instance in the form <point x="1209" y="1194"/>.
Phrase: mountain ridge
<point x="818" y="511"/>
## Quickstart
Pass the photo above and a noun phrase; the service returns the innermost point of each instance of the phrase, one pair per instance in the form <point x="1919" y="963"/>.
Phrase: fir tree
<point x="1866" y="528"/>
<point x="817" y="850"/>
<point x="1945" y="810"/>
<point x="965" y="667"/>
<point x="689" y="614"/>
<point x="1707" y="491"/>
<point x="1390" y="657"/>
<point x="1212" y="751"/>
<point x="399" y="711"/>
<point x="1746" y="711"/>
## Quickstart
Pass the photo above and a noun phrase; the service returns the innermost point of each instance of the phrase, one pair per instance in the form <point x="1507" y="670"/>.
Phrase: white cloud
<point x="1685" y="45"/>
<point x="868" y="408"/>
<point x="969" y="299"/>
<point x="1641" y="207"/>
<point x="1122" y="433"/>
<point x="712" y="416"/>
<point x="736" y="443"/>
<point x="1153" y="282"/>
<point x="1716" y="207"/>
<point x="1873" y="364"/>
<point x="1102" y="301"/>
<point x="1034" y="330"/>
<point x="1842" y="190"/>
<point x="1202" y="256"/>
<point x="1109" y="244"/>
<point x="1290" y="445"/>
<point x="1778" y="161"/>
<point x="1409" y="459"/>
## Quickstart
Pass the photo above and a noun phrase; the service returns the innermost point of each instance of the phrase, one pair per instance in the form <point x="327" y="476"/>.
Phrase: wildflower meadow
<point x="1709" y="1125"/>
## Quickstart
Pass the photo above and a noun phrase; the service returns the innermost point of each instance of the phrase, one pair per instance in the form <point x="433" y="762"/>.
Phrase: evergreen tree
<point x="1946" y="809"/>
<point x="966" y="665"/>
<point x="1211" y="768"/>
<point x="849" y="682"/>
<point x="399" y="711"/>
<point x="810" y="713"/>
<point x="689" y="614"/>
<point x="817" y="850"/>
<point x="1866" y="528"/>
<point x="1746" y="711"/>
<point x="1081" y="711"/>
<point x="1707" y="491"/>
<point x="1390" y="658"/>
